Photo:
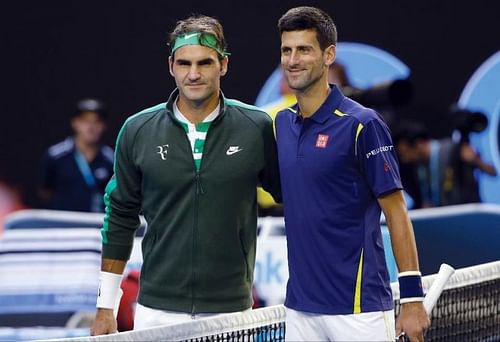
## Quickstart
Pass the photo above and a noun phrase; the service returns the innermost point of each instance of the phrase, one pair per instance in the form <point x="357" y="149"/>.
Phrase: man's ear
<point x="170" y="64"/>
<point x="224" y="65"/>
<point x="330" y="54"/>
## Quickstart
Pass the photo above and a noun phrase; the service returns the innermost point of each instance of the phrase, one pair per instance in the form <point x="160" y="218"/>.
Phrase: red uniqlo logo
<point x="322" y="140"/>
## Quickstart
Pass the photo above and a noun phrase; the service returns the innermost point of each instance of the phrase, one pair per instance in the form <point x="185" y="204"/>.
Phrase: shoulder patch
<point x="339" y="113"/>
<point x="358" y="131"/>
<point x="60" y="149"/>
<point x="108" y="153"/>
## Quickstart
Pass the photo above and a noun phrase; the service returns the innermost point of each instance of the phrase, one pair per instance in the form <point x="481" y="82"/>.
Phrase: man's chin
<point x="295" y="87"/>
<point x="196" y="99"/>
<point x="194" y="95"/>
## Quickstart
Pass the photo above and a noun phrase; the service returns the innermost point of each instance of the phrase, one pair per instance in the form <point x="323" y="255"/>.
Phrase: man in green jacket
<point x="192" y="166"/>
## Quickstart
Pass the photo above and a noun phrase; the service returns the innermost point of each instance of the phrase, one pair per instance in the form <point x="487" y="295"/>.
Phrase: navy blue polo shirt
<point x="61" y="175"/>
<point x="333" y="166"/>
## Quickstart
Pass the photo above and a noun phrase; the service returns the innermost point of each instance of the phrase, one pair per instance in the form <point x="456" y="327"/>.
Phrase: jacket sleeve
<point x="123" y="201"/>
<point x="269" y="177"/>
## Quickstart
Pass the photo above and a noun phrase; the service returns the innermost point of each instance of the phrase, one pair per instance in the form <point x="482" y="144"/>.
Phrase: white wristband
<point x="411" y="300"/>
<point x="109" y="289"/>
<point x="409" y="273"/>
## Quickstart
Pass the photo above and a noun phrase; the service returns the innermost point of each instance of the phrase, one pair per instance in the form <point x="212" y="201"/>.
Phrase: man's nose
<point x="194" y="72"/>
<point x="294" y="58"/>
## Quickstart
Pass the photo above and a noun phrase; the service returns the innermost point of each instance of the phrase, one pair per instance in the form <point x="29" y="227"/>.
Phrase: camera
<point x="466" y="121"/>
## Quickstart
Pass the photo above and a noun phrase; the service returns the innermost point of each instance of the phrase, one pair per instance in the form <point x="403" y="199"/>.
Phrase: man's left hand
<point x="413" y="321"/>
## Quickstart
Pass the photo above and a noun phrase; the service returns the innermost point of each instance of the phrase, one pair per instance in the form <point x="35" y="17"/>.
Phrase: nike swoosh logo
<point x="187" y="36"/>
<point x="233" y="151"/>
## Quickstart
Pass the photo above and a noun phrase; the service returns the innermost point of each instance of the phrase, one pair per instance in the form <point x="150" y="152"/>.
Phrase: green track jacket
<point x="199" y="246"/>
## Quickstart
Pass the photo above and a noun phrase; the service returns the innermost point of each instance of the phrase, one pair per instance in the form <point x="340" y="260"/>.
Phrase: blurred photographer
<point x="438" y="172"/>
<point x="385" y="97"/>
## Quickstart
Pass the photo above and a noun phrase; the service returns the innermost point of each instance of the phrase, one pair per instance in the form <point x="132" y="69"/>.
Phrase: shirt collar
<point x="180" y="117"/>
<point x="325" y="111"/>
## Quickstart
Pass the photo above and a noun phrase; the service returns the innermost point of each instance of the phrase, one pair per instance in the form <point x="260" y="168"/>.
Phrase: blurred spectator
<point x="74" y="172"/>
<point x="337" y="74"/>
<point x="438" y="172"/>
<point x="385" y="97"/>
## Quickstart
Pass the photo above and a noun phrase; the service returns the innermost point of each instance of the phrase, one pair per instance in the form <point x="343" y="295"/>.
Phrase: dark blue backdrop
<point x="54" y="52"/>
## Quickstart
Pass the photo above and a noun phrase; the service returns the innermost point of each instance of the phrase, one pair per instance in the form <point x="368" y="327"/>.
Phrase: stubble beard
<point x="302" y="83"/>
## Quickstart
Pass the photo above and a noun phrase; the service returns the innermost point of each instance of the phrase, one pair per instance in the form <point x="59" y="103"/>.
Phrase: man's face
<point x="88" y="127"/>
<point x="197" y="71"/>
<point x="302" y="60"/>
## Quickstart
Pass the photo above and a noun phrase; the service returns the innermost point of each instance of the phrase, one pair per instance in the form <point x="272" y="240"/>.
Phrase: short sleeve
<point x="378" y="159"/>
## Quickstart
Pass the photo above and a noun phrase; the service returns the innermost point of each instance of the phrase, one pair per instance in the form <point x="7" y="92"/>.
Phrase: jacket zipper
<point x="193" y="254"/>
<point x="198" y="191"/>
<point x="199" y="187"/>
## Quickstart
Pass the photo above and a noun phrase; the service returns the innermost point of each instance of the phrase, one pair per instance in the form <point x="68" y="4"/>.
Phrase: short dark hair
<point x="310" y="18"/>
<point x="90" y="105"/>
<point x="202" y="24"/>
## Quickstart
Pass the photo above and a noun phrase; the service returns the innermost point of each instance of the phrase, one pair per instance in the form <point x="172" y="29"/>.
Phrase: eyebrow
<point x="297" y="47"/>
<point x="201" y="61"/>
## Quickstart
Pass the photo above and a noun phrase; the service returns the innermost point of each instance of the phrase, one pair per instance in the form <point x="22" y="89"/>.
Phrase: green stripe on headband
<point x="197" y="38"/>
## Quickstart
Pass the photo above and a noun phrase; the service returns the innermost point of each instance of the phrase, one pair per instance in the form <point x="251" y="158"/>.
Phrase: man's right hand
<point x="104" y="323"/>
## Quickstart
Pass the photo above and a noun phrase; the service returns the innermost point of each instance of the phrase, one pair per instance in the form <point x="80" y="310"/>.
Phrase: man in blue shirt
<point x="338" y="171"/>
<point x="75" y="171"/>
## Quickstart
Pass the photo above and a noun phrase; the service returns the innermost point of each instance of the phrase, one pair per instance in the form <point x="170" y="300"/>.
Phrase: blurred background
<point x="57" y="52"/>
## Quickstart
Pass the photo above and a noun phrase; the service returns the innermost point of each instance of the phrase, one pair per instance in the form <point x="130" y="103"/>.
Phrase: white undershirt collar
<point x="179" y="116"/>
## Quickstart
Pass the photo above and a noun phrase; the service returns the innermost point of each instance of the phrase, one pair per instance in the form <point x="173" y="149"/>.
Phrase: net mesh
<point x="467" y="310"/>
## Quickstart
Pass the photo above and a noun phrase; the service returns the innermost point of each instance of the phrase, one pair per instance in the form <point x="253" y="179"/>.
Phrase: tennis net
<point x="467" y="310"/>
<point x="469" y="307"/>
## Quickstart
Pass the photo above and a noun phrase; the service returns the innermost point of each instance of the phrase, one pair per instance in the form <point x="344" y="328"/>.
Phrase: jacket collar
<point x="174" y="94"/>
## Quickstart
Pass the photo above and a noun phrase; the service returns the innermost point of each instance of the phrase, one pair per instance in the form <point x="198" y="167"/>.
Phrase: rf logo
<point x="163" y="151"/>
